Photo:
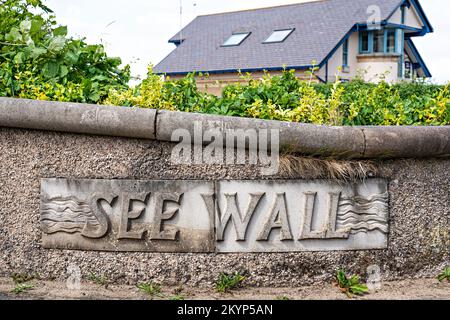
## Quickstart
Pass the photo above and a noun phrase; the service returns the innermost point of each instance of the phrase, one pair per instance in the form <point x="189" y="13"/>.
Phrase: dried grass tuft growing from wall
<point x="292" y="167"/>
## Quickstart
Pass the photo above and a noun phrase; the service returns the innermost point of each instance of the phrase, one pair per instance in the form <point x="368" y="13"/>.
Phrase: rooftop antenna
<point x="181" y="21"/>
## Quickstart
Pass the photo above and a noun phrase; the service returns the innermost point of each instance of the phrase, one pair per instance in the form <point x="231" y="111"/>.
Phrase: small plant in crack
<point x="22" y="287"/>
<point x="350" y="285"/>
<point x="20" y="281"/>
<point x="227" y="282"/>
<point x="101" y="281"/>
<point x="444" y="275"/>
<point x="150" y="288"/>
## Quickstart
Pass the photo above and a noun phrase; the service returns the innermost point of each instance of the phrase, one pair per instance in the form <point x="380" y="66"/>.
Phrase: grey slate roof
<point x="319" y="27"/>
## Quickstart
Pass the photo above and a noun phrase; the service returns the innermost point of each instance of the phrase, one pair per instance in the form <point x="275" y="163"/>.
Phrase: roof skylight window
<point x="279" y="36"/>
<point x="236" y="39"/>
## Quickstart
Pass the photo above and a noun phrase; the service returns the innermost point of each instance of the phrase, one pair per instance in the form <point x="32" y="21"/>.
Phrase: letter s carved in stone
<point x="100" y="229"/>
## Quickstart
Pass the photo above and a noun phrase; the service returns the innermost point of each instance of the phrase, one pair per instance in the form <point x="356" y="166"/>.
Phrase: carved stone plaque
<point x="287" y="216"/>
<point x="222" y="216"/>
<point x="123" y="215"/>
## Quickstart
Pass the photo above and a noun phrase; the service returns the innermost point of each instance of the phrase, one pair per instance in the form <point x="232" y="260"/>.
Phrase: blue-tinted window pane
<point x="345" y="53"/>
<point x="364" y="41"/>
<point x="279" y="36"/>
<point x="390" y="41"/>
<point x="378" y="41"/>
<point x="236" y="39"/>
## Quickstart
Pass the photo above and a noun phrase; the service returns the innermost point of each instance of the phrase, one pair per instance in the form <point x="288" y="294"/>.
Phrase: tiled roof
<point x="319" y="27"/>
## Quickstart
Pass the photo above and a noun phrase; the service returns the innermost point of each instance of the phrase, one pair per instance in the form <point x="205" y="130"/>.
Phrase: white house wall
<point x="371" y="71"/>
<point x="376" y="70"/>
<point x="411" y="18"/>
<point x="335" y="62"/>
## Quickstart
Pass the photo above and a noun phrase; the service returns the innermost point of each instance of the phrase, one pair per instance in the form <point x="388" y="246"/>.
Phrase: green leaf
<point x="51" y="69"/>
<point x="36" y="25"/>
<point x="63" y="71"/>
<point x="71" y="57"/>
<point x="94" y="97"/>
<point x="25" y="26"/>
<point x="60" y="31"/>
<point x="19" y="58"/>
<point x="359" y="289"/>
<point x="57" y="44"/>
<point x="36" y="52"/>
<point x="354" y="280"/>
<point x="34" y="3"/>
<point x="100" y="78"/>
<point x="14" y="35"/>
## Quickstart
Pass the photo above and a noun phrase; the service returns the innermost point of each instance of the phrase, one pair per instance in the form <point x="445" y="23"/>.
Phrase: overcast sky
<point x="138" y="30"/>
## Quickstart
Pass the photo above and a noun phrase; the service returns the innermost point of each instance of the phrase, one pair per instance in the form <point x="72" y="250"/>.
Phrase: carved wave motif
<point x="360" y="214"/>
<point x="66" y="214"/>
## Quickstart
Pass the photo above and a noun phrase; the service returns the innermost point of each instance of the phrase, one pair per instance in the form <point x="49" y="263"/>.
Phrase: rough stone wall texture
<point x="419" y="242"/>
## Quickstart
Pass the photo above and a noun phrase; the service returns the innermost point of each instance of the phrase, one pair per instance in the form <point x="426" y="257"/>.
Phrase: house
<point x="367" y="38"/>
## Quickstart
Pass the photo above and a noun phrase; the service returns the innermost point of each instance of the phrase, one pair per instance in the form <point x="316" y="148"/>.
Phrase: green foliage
<point x="444" y="275"/>
<point x="22" y="287"/>
<point x="286" y="98"/>
<point x="283" y="298"/>
<point x="20" y="281"/>
<point x="150" y="288"/>
<point x="177" y="297"/>
<point x="39" y="61"/>
<point x="350" y="286"/>
<point x="155" y="93"/>
<point x="227" y="282"/>
<point x="99" y="280"/>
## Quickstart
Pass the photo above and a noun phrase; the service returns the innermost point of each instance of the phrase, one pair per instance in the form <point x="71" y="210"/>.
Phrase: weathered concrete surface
<point x="79" y="118"/>
<point x="419" y="205"/>
<point x="308" y="139"/>
<point x="296" y="215"/>
<point x="304" y="138"/>
<point x="126" y="215"/>
<point x="426" y="289"/>
<point x="406" y="142"/>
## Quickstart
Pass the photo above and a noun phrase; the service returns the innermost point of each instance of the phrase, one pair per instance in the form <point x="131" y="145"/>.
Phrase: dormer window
<point x="378" y="41"/>
<point x="236" y="39"/>
<point x="279" y="36"/>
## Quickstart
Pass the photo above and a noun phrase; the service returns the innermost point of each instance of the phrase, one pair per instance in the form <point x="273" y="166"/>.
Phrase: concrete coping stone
<point x="344" y="142"/>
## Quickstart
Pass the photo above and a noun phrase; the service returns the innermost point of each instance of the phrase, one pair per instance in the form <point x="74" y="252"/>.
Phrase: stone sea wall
<point x="407" y="196"/>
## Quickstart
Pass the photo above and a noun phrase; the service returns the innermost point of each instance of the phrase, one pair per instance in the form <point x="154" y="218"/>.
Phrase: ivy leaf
<point x="57" y="44"/>
<point x="51" y="69"/>
<point x="60" y="31"/>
